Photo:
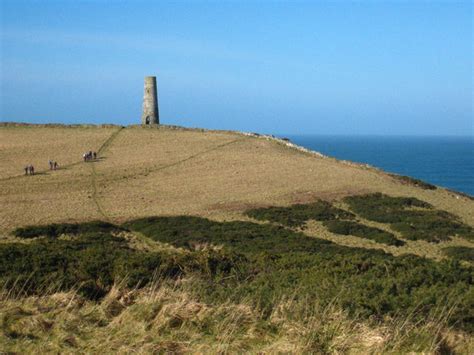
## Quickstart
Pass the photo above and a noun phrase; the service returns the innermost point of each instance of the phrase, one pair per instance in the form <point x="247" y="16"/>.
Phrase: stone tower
<point x="150" y="113"/>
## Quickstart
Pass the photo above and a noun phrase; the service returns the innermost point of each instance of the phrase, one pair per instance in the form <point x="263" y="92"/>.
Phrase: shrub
<point x="280" y="261"/>
<point x="246" y="237"/>
<point x="414" y="182"/>
<point x="258" y="262"/>
<point x="55" y="230"/>
<point x="297" y="215"/>
<point x="460" y="253"/>
<point x="362" y="231"/>
<point x="413" y="218"/>
<point x="93" y="262"/>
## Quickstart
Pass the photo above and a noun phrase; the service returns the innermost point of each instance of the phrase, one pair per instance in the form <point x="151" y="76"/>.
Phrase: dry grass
<point x="169" y="318"/>
<point x="218" y="175"/>
<point x="149" y="171"/>
<point x="163" y="171"/>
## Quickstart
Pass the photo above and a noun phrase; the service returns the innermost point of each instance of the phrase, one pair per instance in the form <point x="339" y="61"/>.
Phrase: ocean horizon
<point x="446" y="161"/>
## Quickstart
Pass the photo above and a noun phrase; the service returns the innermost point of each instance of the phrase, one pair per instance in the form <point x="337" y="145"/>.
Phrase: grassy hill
<point x="215" y="241"/>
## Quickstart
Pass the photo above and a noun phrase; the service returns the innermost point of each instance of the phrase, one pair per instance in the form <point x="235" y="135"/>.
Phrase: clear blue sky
<point x="378" y="67"/>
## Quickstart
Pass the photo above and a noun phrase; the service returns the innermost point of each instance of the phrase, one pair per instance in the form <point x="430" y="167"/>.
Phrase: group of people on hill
<point x="53" y="165"/>
<point x="29" y="170"/>
<point x="90" y="155"/>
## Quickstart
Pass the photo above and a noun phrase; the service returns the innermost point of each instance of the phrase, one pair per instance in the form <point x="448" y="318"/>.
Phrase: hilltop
<point x="177" y="239"/>
<point x="150" y="171"/>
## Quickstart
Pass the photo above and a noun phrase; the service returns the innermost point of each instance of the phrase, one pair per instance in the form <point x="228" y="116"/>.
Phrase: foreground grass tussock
<point x="169" y="317"/>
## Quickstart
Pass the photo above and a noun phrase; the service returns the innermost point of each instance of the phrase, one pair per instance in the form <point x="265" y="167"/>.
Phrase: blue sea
<point x="443" y="161"/>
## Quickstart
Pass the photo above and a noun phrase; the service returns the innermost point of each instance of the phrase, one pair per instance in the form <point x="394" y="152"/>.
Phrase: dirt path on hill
<point x="103" y="148"/>
<point x="154" y="169"/>
<point x="108" y="143"/>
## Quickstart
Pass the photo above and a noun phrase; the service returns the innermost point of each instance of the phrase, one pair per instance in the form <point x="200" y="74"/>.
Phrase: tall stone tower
<point x="150" y="113"/>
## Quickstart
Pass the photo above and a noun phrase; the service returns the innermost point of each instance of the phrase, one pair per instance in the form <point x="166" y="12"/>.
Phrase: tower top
<point x="150" y="114"/>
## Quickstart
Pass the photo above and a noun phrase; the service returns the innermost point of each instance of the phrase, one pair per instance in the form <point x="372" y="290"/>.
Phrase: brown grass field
<point x="170" y="171"/>
<point x="167" y="171"/>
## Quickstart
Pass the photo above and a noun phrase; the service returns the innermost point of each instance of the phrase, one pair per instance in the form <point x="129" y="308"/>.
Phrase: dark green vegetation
<point x="335" y="219"/>
<point x="93" y="261"/>
<point x="362" y="231"/>
<point x="414" y="182"/>
<point x="55" y="230"/>
<point x="414" y="219"/>
<point x="280" y="262"/>
<point x="260" y="262"/>
<point x="460" y="253"/>
<point x="298" y="215"/>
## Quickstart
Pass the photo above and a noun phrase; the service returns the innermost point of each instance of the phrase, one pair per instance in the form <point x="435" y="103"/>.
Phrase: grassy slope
<point x="147" y="172"/>
<point x="217" y="175"/>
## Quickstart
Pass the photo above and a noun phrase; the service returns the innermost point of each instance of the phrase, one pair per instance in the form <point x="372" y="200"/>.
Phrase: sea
<point x="442" y="161"/>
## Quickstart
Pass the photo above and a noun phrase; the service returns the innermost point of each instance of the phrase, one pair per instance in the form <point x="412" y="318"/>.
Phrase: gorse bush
<point x="362" y="231"/>
<point x="92" y="262"/>
<point x="55" y="230"/>
<point x="246" y="237"/>
<point x="297" y="215"/>
<point x="414" y="182"/>
<point x="460" y="253"/>
<point x="413" y="218"/>
<point x="366" y="282"/>
<point x="240" y="261"/>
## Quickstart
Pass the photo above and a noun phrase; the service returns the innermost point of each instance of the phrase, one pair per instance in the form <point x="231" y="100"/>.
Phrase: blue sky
<point x="378" y="67"/>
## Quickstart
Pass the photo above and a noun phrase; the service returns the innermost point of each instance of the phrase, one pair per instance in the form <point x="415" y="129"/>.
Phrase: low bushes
<point x="297" y="215"/>
<point x="460" y="253"/>
<point x="244" y="237"/>
<point x="413" y="218"/>
<point x="414" y="182"/>
<point x="55" y="230"/>
<point x="246" y="261"/>
<point x="362" y="231"/>
<point x="279" y="261"/>
<point x="92" y="262"/>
